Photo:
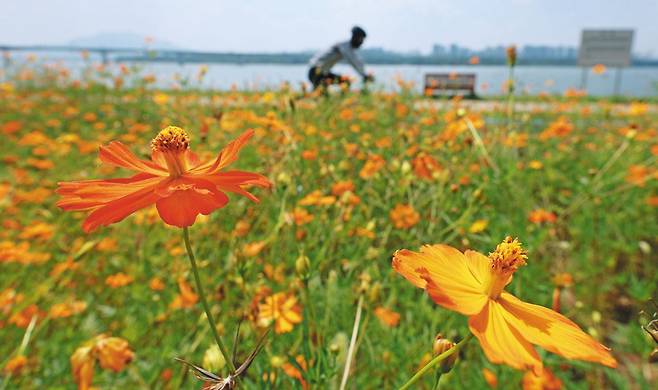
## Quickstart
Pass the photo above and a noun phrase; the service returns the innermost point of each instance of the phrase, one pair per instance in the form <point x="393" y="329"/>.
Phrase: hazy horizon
<point x="291" y="25"/>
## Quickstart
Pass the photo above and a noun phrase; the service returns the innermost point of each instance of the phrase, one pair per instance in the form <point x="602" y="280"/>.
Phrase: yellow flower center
<point x="171" y="139"/>
<point x="508" y="256"/>
<point x="505" y="260"/>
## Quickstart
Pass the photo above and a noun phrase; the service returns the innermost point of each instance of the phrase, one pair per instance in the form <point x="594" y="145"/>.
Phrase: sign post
<point x="611" y="48"/>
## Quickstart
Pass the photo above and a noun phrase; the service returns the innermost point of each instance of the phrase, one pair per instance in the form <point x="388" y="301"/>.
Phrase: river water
<point x="637" y="81"/>
<point x="532" y="80"/>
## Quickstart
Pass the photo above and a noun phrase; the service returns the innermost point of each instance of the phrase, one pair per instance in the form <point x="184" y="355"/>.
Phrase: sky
<point x="294" y="25"/>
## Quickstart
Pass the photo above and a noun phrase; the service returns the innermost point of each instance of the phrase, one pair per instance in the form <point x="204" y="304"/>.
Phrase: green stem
<point x="202" y="294"/>
<point x="480" y="143"/>
<point x="438" y="380"/>
<point x="436" y="361"/>
<point x="21" y="349"/>
<point x="510" y="98"/>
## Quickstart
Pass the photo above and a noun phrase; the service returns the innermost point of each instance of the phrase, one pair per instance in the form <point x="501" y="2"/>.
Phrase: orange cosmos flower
<point x="300" y="216"/>
<point x="404" y="216"/>
<point x="67" y="309"/>
<point x="341" y="187"/>
<point x="387" y="316"/>
<point x="539" y="216"/>
<point x="372" y="166"/>
<point x="118" y="280"/>
<point x="473" y="284"/>
<point x="180" y="186"/>
<point x="156" y="284"/>
<point x="490" y="378"/>
<point x="599" y="69"/>
<point x="15" y="365"/>
<point x="425" y="166"/>
<point x="294" y="372"/>
<point x="113" y="353"/>
<point x="546" y="381"/>
<point x="187" y="296"/>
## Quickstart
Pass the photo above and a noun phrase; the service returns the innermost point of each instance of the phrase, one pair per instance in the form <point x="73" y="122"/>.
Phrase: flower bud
<point x="277" y="361"/>
<point x="511" y="55"/>
<point x="440" y="346"/>
<point x="213" y="360"/>
<point x="303" y="267"/>
<point x="283" y="178"/>
<point x="364" y="286"/>
<point x="374" y="292"/>
<point x="405" y="167"/>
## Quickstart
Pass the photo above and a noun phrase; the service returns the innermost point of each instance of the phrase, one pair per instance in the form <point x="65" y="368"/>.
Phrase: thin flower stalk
<point x="204" y="301"/>
<point x="350" y="350"/>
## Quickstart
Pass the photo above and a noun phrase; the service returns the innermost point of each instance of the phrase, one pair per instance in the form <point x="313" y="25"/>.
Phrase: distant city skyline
<point x="294" y="26"/>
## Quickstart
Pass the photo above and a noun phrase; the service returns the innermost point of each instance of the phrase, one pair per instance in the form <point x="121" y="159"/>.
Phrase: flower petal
<point x="116" y="153"/>
<point x="479" y="265"/>
<point x="237" y="178"/>
<point x="227" y="156"/>
<point x="554" y="332"/>
<point x="88" y="194"/>
<point x="458" y="298"/>
<point x="184" y="199"/>
<point x="232" y="181"/>
<point x="502" y="343"/>
<point x="118" y="209"/>
<point x="443" y="271"/>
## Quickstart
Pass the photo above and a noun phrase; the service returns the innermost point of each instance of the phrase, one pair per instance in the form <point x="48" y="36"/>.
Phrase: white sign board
<point x="608" y="47"/>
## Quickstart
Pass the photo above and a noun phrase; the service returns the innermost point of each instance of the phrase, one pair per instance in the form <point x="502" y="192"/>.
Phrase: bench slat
<point x="437" y="82"/>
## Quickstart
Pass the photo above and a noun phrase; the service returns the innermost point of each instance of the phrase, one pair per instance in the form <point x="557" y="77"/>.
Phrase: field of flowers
<point x="349" y="182"/>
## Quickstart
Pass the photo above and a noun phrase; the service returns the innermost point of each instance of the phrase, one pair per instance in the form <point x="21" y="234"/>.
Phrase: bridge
<point x="146" y="54"/>
<point x="102" y="51"/>
<point x="125" y="54"/>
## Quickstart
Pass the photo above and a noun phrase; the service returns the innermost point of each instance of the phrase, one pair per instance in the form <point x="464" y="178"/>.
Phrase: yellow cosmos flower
<point x="281" y="308"/>
<point x="473" y="284"/>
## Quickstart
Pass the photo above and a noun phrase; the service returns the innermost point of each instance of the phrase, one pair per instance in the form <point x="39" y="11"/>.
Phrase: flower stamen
<point x="171" y="139"/>
<point x="505" y="260"/>
<point x="508" y="256"/>
<point x="172" y="142"/>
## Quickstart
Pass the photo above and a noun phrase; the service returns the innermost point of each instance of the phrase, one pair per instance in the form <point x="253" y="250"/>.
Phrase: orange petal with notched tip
<point x="116" y="210"/>
<point x="445" y="273"/>
<point x="88" y="194"/>
<point x="188" y="199"/>
<point x="238" y="178"/>
<point x="501" y="342"/>
<point x="226" y="157"/>
<point x="554" y="332"/>
<point x="116" y="153"/>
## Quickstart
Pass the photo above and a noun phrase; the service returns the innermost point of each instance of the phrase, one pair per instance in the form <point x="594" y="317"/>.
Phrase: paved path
<point x="536" y="107"/>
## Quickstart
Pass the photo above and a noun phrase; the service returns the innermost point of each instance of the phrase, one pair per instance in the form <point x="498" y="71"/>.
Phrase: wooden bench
<point x="450" y="84"/>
